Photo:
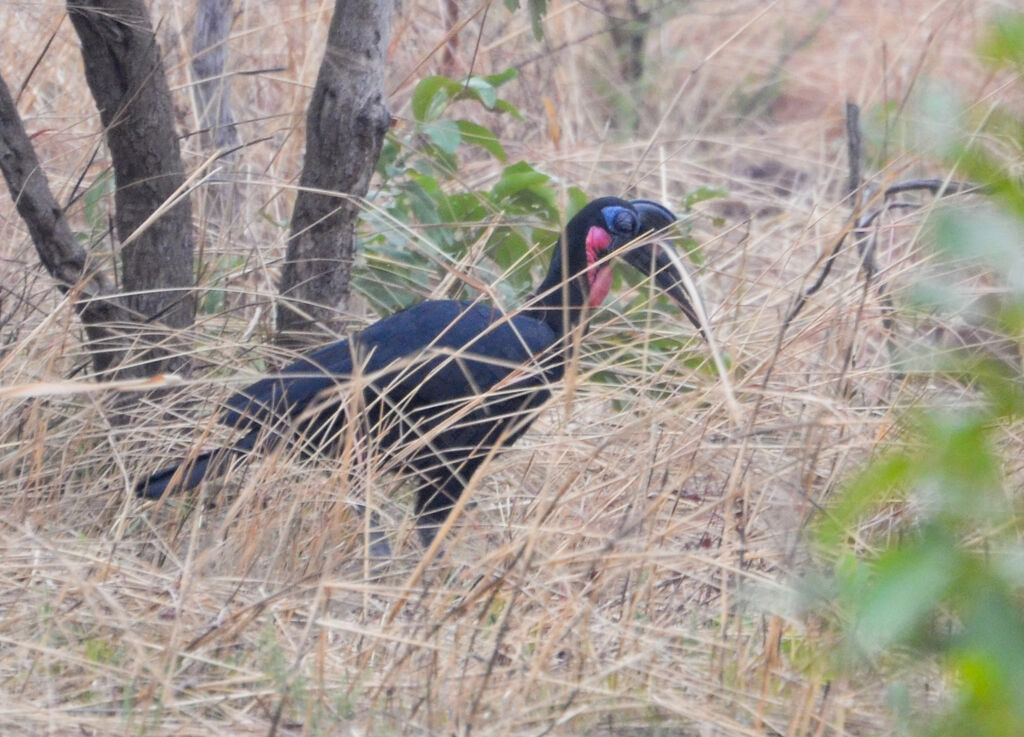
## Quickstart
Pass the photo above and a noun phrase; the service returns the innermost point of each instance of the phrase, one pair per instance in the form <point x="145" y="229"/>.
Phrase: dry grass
<point x="627" y="568"/>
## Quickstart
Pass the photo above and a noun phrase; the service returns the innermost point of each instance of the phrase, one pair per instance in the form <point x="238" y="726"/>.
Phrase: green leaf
<point x="692" y="250"/>
<point x="513" y="250"/>
<point x="481" y="136"/>
<point x="960" y="471"/>
<point x="538" y="9"/>
<point x="877" y="482"/>
<point x="467" y="208"/>
<point x="510" y="248"/>
<point x="502" y="77"/>
<point x="504" y="106"/>
<point x="445" y="134"/>
<point x="430" y="97"/>
<point x="430" y="206"/>
<point x="211" y="302"/>
<point x="992" y="237"/>
<point x="909" y="585"/>
<point x="993" y="637"/>
<point x="422" y="191"/>
<point x="93" y="199"/>
<point x="388" y="156"/>
<point x="577" y="200"/>
<point x="516" y="178"/>
<point x="702" y="194"/>
<point x="1005" y="42"/>
<point x="478" y="88"/>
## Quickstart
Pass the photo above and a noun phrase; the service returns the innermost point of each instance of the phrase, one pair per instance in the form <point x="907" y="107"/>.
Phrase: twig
<point x="860" y="225"/>
<point x="63" y="256"/>
<point x="853" y="153"/>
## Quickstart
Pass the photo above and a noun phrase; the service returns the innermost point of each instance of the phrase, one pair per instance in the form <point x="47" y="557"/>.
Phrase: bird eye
<point x="620" y="221"/>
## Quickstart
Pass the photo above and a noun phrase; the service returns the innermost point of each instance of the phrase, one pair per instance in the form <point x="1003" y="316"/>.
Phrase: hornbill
<point x="440" y="386"/>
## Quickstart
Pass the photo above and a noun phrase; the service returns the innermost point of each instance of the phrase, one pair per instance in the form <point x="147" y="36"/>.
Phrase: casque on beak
<point x="659" y="260"/>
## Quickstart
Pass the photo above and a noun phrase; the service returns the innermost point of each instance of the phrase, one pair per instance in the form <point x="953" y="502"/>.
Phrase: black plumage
<point x="440" y="386"/>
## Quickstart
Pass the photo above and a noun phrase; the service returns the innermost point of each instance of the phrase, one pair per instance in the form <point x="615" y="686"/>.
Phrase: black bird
<point x="440" y="386"/>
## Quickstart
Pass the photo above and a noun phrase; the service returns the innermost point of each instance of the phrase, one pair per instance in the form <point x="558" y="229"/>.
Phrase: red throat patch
<point x="599" y="276"/>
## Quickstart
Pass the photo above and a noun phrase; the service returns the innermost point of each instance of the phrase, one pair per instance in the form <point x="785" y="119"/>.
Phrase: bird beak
<point x="662" y="262"/>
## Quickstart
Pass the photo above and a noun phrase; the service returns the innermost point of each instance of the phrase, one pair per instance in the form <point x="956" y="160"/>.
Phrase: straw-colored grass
<point x="629" y="567"/>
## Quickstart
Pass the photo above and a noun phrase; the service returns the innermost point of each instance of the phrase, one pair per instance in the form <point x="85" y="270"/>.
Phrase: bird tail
<point x="187" y="474"/>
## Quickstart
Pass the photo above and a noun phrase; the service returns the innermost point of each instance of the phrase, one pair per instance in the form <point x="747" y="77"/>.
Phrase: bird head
<point x="581" y="270"/>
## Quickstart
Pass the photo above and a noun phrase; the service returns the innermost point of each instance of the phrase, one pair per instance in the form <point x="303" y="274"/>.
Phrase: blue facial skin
<point x="619" y="220"/>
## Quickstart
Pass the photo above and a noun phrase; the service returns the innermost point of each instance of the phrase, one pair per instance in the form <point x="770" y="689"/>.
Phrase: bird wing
<point x="280" y="396"/>
<point x="442" y="349"/>
<point x="476" y="386"/>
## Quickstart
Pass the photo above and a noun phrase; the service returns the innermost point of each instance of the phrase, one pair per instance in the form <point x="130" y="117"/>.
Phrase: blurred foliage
<point x="537" y="10"/>
<point x="946" y="585"/>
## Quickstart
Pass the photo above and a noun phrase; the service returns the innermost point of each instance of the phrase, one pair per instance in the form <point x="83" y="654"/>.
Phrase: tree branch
<point x="62" y="255"/>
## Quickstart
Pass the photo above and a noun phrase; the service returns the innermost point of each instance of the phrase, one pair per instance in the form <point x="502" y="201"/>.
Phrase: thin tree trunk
<point x="209" y="51"/>
<point x="628" y="35"/>
<point x="213" y="105"/>
<point x="62" y="255"/>
<point x="345" y="127"/>
<point x="125" y="72"/>
<point x="451" y="44"/>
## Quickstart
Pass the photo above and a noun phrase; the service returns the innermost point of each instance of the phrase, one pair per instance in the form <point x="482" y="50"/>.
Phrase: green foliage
<point x="537" y="10"/>
<point x="687" y="243"/>
<point x="426" y="220"/>
<point x="1005" y="42"/>
<point x="214" y="271"/>
<point x="948" y="584"/>
<point x="100" y="650"/>
<point x="97" y="207"/>
<point x="702" y="194"/>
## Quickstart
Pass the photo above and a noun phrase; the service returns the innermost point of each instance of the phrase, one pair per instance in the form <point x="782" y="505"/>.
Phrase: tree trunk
<point x="345" y="127"/>
<point x="125" y="72"/>
<point x="213" y="106"/>
<point x="62" y="255"/>
<point x="449" y="62"/>
<point x="209" y="51"/>
<point x="628" y="35"/>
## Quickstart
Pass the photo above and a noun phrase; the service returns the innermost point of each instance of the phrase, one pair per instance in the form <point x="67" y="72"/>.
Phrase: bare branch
<point x="62" y="255"/>
<point x="853" y="151"/>
<point x="864" y="221"/>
